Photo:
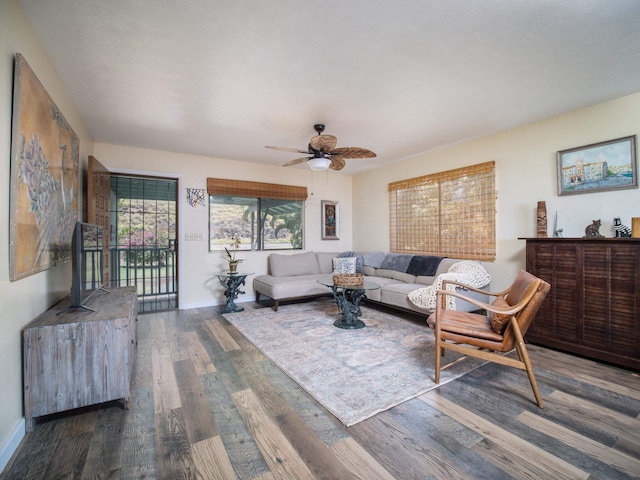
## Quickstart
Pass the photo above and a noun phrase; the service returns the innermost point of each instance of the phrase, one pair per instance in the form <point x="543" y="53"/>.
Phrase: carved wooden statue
<point x="541" y="225"/>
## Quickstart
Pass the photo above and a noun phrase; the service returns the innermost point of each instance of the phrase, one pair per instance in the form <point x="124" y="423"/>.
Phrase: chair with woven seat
<point x="490" y="336"/>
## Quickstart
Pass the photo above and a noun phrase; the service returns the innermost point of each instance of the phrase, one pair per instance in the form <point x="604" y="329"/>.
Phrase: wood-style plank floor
<point x="206" y="404"/>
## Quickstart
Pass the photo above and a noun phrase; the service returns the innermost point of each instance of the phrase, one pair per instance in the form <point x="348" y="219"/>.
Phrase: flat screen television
<point x="87" y="256"/>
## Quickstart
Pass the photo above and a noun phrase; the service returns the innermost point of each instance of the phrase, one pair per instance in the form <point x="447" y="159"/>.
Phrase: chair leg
<point x="439" y="354"/>
<point x="524" y="356"/>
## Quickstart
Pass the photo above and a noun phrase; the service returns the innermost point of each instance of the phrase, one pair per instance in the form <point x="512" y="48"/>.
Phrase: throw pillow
<point x="499" y="321"/>
<point x="344" y="265"/>
<point x="358" y="259"/>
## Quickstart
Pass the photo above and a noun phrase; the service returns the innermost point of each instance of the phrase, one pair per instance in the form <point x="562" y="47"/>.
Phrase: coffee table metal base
<point x="348" y="300"/>
<point x="342" y="323"/>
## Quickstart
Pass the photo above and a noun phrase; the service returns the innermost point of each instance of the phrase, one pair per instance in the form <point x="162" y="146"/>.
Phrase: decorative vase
<point x="541" y="226"/>
<point x="233" y="267"/>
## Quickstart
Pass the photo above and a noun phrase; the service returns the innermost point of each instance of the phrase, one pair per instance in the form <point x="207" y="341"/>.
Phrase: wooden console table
<point x="79" y="358"/>
<point x="593" y="308"/>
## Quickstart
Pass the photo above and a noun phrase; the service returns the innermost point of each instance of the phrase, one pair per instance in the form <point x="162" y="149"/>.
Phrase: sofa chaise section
<point x="296" y="276"/>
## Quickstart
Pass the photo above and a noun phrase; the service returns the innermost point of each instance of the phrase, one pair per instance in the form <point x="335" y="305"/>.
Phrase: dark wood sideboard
<point x="594" y="304"/>
<point x="79" y="358"/>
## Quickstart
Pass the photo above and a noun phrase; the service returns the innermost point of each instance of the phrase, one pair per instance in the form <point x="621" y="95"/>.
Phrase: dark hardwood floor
<point x="207" y="404"/>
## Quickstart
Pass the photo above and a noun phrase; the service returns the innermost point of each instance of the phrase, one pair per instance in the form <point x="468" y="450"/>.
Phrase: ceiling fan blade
<point x="326" y="143"/>
<point x="353" y="152"/>
<point x="285" y="149"/>
<point x="296" y="161"/>
<point x="337" y="162"/>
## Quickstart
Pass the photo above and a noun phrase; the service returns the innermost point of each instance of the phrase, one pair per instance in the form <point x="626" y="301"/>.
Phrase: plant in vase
<point x="230" y="256"/>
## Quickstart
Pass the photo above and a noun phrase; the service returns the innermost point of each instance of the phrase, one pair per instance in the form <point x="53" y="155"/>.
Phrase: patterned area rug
<point x="353" y="373"/>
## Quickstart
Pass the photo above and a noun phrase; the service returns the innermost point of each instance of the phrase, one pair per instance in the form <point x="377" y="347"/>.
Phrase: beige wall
<point x="197" y="264"/>
<point x="22" y="300"/>
<point x="525" y="173"/>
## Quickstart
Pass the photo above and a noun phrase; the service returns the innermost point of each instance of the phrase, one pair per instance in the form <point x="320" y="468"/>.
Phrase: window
<point x="263" y="216"/>
<point x="451" y="214"/>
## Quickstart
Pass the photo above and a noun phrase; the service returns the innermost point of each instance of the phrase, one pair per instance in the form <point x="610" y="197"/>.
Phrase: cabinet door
<point x="611" y="298"/>
<point x="558" y="265"/>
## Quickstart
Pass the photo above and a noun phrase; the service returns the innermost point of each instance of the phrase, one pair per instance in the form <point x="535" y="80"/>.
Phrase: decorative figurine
<point x="619" y="230"/>
<point x="593" y="230"/>
<point x="541" y="225"/>
<point x="557" y="232"/>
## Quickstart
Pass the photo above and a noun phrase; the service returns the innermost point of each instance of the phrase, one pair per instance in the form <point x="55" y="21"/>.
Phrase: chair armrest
<point x="472" y="289"/>
<point x="486" y="306"/>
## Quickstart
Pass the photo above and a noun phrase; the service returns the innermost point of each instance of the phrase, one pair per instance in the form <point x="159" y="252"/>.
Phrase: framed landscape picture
<point x="598" y="167"/>
<point x="330" y="220"/>
<point x="45" y="169"/>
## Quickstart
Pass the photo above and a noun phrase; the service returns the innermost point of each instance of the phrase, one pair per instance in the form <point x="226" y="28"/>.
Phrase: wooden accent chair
<point x="508" y="319"/>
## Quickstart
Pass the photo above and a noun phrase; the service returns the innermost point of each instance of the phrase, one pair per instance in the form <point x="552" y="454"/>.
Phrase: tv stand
<point x="82" y="305"/>
<point x="76" y="357"/>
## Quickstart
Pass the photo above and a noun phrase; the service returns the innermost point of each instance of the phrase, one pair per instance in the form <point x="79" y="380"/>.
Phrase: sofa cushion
<point x="396" y="261"/>
<point x="381" y="282"/>
<point x="396" y="295"/>
<point x="291" y="286"/>
<point x="344" y="265"/>
<point x="298" y="264"/>
<point x="369" y="271"/>
<point x="325" y="261"/>
<point x="374" y="259"/>
<point x="425" y="280"/>
<point x="401" y="276"/>
<point x="445" y="265"/>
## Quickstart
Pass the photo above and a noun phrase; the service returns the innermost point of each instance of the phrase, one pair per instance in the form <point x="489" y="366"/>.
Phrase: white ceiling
<point x="225" y="78"/>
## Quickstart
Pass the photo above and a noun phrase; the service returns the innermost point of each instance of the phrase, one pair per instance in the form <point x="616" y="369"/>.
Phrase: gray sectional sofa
<point x="296" y="276"/>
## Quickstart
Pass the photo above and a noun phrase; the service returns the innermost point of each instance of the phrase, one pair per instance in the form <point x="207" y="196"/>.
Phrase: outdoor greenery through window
<point x="451" y="214"/>
<point x="262" y="216"/>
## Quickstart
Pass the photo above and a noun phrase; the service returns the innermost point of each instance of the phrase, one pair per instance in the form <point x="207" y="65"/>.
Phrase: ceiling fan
<point x="322" y="153"/>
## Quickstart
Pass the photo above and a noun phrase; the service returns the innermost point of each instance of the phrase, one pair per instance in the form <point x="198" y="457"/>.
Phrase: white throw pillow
<point x="344" y="265"/>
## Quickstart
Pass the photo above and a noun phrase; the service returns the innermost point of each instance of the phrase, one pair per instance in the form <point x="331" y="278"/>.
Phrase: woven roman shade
<point x="242" y="188"/>
<point x="450" y="213"/>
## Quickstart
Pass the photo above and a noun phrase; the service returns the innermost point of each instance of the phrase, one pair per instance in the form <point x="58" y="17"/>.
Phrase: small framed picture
<point x="598" y="167"/>
<point x="330" y="220"/>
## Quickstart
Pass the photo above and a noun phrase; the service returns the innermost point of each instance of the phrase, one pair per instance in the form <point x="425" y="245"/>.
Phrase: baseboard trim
<point x="12" y="443"/>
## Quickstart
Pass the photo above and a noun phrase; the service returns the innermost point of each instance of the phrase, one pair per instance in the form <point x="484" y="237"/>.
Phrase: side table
<point x="232" y="281"/>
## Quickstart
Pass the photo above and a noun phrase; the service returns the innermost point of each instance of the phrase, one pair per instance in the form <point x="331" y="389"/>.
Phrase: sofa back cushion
<point x="396" y="261"/>
<point x="373" y="259"/>
<point x="445" y="265"/>
<point x="298" y="264"/>
<point x="325" y="261"/>
<point x="396" y="275"/>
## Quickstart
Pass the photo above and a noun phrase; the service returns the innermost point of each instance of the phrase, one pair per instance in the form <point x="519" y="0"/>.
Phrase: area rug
<point x="353" y="373"/>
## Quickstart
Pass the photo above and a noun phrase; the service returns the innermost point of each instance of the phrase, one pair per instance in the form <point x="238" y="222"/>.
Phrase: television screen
<point x="92" y="255"/>
<point x="87" y="263"/>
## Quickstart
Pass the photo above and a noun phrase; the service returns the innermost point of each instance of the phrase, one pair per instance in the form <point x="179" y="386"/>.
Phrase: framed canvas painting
<point x="598" y="167"/>
<point x="330" y="220"/>
<point x="45" y="169"/>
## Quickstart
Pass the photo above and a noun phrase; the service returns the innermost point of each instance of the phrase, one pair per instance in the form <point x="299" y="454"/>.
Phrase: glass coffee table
<point x="348" y="299"/>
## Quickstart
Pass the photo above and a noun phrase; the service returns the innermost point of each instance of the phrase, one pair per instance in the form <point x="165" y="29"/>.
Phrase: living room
<point x="526" y="172"/>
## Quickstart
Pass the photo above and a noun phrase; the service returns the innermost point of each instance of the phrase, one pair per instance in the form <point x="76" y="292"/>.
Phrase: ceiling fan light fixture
<point x="319" y="164"/>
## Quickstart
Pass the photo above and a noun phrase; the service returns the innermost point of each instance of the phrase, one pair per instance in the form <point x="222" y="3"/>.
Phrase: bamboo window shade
<point x="242" y="188"/>
<point x="450" y="214"/>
